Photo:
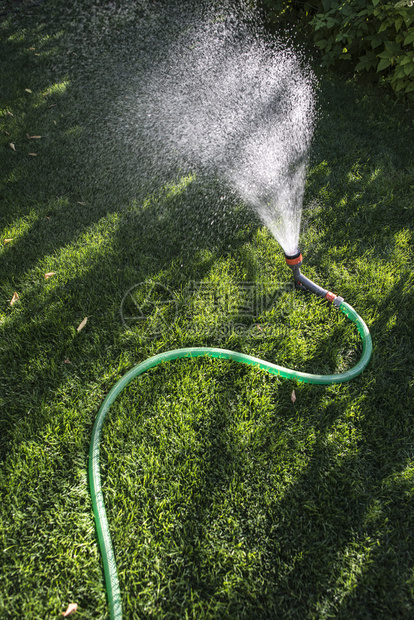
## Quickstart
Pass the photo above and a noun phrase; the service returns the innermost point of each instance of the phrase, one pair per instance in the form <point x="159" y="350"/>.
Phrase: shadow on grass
<point x="315" y="526"/>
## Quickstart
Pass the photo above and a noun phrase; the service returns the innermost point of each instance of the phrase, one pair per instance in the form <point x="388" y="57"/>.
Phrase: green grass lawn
<point x="225" y="498"/>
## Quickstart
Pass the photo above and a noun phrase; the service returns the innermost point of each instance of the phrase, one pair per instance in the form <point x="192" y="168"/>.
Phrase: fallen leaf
<point x="50" y="274"/>
<point x="33" y="154"/>
<point x="32" y="48"/>
<point x="28" y="90"/>
<point x="67" y="361"/>
<point x="8" y="240"/>
<point x="72" y="607"/>
<point x="9" y="113"/>
<point x="52" y="106"/>
<point x="14" y="298"/>
<point x="82" y="324"/>
<point x="81" y="203"/>
<point x="33" y="137"/>
<point x="293" y="396"/>
<point x="12" y="146"/>
<point x="7" y="133"/>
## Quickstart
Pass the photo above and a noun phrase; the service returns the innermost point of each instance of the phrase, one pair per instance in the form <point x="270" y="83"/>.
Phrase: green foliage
<point x="288" y="15"/>
<point x="372" y="35"/>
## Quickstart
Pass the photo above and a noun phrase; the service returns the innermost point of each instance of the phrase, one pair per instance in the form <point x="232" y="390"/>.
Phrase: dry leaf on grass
<point x="33" y="137"/>
<point x="82" y="324"/>
<point x="293" y="396"/>
<point x="50" y="274"/>
<point x="14" y="298"/>
<point x="8" y="240"/>
<point x="72" y="607"/>
<point x="12" y="146"/>
<point x="33" y="154"/>
<point x="28" y="90"/>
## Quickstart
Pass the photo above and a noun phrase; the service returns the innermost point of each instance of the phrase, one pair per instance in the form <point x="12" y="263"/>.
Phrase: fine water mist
<point x="197" y="91"/>
<point x="226" y="101"/>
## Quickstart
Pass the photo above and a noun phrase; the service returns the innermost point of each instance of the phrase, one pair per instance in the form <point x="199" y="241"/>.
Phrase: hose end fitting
<point x="335" y="299"/>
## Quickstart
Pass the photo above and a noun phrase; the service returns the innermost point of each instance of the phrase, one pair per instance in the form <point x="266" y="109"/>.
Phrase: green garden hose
<point x="104" y="537"/>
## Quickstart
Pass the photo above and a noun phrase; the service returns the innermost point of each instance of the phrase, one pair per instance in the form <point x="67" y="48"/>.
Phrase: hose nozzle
<point x="302" y="282"/>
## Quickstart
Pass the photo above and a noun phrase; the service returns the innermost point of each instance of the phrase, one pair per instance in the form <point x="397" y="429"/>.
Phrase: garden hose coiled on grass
<point x="104" y="537"/>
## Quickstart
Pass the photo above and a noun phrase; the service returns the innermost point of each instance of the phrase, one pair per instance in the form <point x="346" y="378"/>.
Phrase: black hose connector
<point x="302" y="282"/>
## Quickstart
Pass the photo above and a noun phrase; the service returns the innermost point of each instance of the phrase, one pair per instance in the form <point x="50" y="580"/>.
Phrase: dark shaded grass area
<point x="225" y="498"/>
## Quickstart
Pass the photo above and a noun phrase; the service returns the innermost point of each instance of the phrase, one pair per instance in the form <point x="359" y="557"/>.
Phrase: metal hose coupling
<point x="294" y="261"/>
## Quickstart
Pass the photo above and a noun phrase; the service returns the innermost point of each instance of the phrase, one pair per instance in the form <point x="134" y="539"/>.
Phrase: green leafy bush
<point x="372" y="35"/>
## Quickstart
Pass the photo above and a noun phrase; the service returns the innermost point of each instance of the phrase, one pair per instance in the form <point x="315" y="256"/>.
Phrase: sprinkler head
<point x="294" y="261"/>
